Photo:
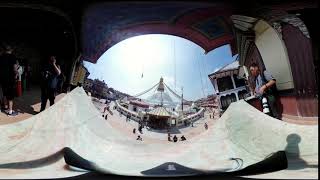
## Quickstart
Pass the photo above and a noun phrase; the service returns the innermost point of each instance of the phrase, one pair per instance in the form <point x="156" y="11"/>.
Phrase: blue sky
<point x="179" y="61"/>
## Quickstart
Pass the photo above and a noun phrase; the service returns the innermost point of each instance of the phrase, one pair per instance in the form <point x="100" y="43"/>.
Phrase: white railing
<point x="194" y="117"/>
<point x="133" y="115"/>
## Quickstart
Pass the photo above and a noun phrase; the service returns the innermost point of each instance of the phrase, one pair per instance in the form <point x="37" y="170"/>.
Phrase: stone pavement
<point x="121" y="124"/>
<point x="242" y="132"/>
<point x="26" y="105"/>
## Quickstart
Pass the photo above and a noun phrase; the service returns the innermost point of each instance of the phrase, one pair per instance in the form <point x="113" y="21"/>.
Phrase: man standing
<point x="105" y="109"/>
<point x="8" y="76"/>
<point x="61" y="80"/>
<point x="50" y="74"/>
<point x="183" y="138"/>
<point x="140" y="129"/>
<point x="265" y="86"/>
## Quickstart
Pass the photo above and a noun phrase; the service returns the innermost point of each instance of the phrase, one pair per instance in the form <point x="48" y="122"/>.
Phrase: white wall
<point x="131" y="107"/>
<point x="274" y="54"/>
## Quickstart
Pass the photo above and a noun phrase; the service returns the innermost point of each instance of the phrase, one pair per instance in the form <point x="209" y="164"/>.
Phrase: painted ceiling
<point x="106" y="24"/>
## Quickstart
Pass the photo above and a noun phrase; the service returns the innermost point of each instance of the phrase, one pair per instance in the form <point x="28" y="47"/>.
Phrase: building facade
<point x="228" y="85"/>
<point x="137" y="106"/>
<point x="88" y="84"/>
<point x="97" y="88"/>
<point x="209" y="101"/>
<point x="80" y="74"/>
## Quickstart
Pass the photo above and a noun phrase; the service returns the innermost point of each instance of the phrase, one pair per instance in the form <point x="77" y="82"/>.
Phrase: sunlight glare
<point x="143" y="52"/>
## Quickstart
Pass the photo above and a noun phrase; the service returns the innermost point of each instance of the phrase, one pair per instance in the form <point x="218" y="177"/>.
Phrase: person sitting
<point x="139" y="138"/>
<point x="175" y="138"/>
<point x="183" y="138"/>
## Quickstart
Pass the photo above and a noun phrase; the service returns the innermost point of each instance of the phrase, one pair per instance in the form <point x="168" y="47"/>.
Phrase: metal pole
<point x="182" y="100"/>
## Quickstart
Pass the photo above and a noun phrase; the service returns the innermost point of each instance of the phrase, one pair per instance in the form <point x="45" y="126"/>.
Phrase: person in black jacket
<point x="8" y="76"/>
<point x="175" y="138"/>
<point x="49" y="74"/>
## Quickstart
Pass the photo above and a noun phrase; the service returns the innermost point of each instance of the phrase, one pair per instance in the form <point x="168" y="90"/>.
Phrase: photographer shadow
<point x="295" y="162"/>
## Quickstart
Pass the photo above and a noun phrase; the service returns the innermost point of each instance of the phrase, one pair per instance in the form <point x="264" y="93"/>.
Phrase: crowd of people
<point x="15" y="80"/>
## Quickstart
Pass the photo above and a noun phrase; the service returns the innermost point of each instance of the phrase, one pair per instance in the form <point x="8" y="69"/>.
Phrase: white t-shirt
<point x="20" y="71"/>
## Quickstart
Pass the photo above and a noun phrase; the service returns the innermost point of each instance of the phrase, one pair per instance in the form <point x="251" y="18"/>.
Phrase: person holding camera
<point x="49" y="82"/>
<point x="265" y="88"/>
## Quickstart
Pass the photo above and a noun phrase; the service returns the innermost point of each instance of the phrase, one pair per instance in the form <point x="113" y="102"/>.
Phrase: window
<point x="238" y="82"/>
<point x="224" y="83"/>
<point x="242" y="94"/>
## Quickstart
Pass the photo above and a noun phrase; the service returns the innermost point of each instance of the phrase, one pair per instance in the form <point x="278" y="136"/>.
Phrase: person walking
<point x="134" y="130"/>
<point x="105" y="109"/>
<point x="206" y="126"/>
<point x="49" y="73"/>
